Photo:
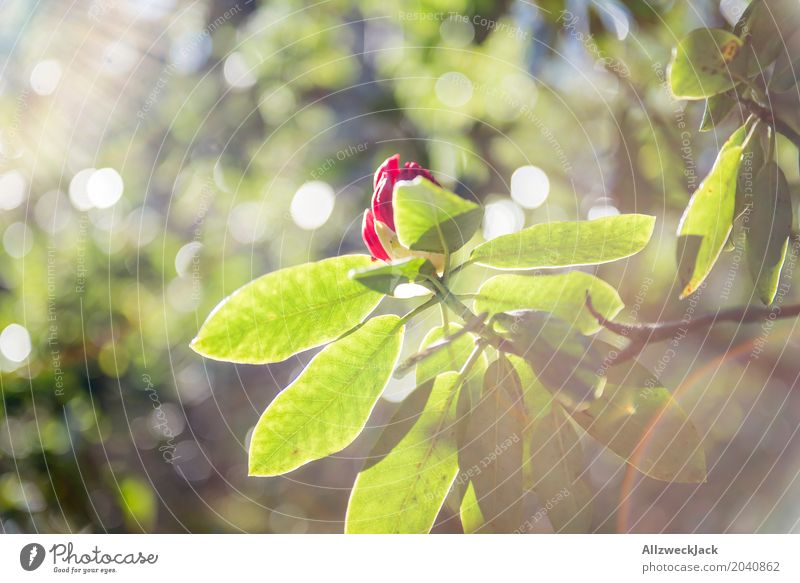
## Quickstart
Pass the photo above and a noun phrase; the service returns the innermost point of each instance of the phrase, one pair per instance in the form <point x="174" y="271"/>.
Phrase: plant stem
<point x="470" y="319"/>
<point x="445" y="318"/>
<point x="766" y="115"/>
<point x="480" y="345"/>
<point x="415" y="359"/>
<point x="640" y="335"/>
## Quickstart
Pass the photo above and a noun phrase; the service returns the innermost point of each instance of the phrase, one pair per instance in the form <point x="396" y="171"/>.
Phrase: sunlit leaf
<point x="491" y="452"/>
<point x="537" y="400"/>
<point x="449" y="357"/>
<point x="430" y="218"/>
<point x="707" y="220"/>
<point x="753" y="160"/>
<point x="327" y="406"/>
<point x="564" y="244"/>
<point x="403" y="490"/>
<point x="717" y="109"/>
<point x="536" y="397"/>
<point x="638" y="420"/>
<point x="287" y="311"/>
<point x="558" y="467"/>
<point x="705" y="63"/>
<point x="567" y="363"/>
<point x="770" y="226"/>
<point x="765" y="27"/>
<point x="470" y="512"/>
<point x="562" y="294"/>
<point x="386" y="277"/>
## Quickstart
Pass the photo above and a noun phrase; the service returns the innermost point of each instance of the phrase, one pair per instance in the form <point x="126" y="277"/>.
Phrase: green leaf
<point x="717" y="109"/>
<point x="638" y="420"/>
<point x="707" y="220"/>
<point x="564" y="244"/>
<point x="567" y="363"/>
<point x="705" y="63"/>
<point x="535" y="396"/>
<point x="404" y="490"/>
<point x="770" y="226"/>
<point x="558" y="466"/>
<point x="469" y="397"/>
<point x="786" y="73"/>
<point x="287" y="311"/>
<point x="448" y="358"/>
<point x="753" y="160"/>
<point x="765" y="29"/>
<point x="538" y="401"/>
<point x="491" y="452"/>
<point x="470" y="512"/>
<point x="327" y="406"/>
<point x="430" y="218"/>
<point x="385" y="278"/>
<point x="403" y="420"/>
<point x="562" y="294"/>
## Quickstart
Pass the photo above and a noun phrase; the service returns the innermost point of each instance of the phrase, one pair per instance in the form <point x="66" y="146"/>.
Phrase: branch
<point x="766" y="115"/>
<point x="640" y="335"/>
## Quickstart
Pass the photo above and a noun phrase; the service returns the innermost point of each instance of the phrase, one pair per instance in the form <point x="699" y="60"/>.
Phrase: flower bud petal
<point x="378" y="229"/>
<point x="389" y="167"/>
<point x="370" y="236"/>
<point x="382" y="201"/>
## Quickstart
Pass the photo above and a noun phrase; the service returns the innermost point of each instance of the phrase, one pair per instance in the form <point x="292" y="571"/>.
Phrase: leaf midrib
<point x="429" y="452"/>
<point x="326" y="403"/>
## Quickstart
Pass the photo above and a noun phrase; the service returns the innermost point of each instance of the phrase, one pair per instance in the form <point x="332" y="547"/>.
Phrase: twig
<point x="640" y="335"/>
<point x="766" y="115"/>
<point x="412" y="361"/>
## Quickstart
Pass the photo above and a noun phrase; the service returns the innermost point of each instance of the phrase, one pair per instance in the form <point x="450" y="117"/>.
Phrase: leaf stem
<point x="480" y="346"/>
<point x="419" y="309"/>
<point x="470" y="319"/>
<point x="445" y="317"/>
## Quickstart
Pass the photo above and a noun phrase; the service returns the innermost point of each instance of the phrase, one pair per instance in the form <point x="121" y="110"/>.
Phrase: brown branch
<point x="640" y="335"/>
<point x="766" y="115"/>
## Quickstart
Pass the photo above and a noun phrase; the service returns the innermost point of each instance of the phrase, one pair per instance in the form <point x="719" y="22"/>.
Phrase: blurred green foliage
<point x="215" y="113"/>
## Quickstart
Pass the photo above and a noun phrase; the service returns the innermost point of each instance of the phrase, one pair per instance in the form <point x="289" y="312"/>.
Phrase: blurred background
<point x="157" y="154"/>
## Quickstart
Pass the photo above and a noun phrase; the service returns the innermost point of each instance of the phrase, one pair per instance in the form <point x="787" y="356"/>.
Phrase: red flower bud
<point x="370" y="237"/>
<point x="386" y="177"/>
